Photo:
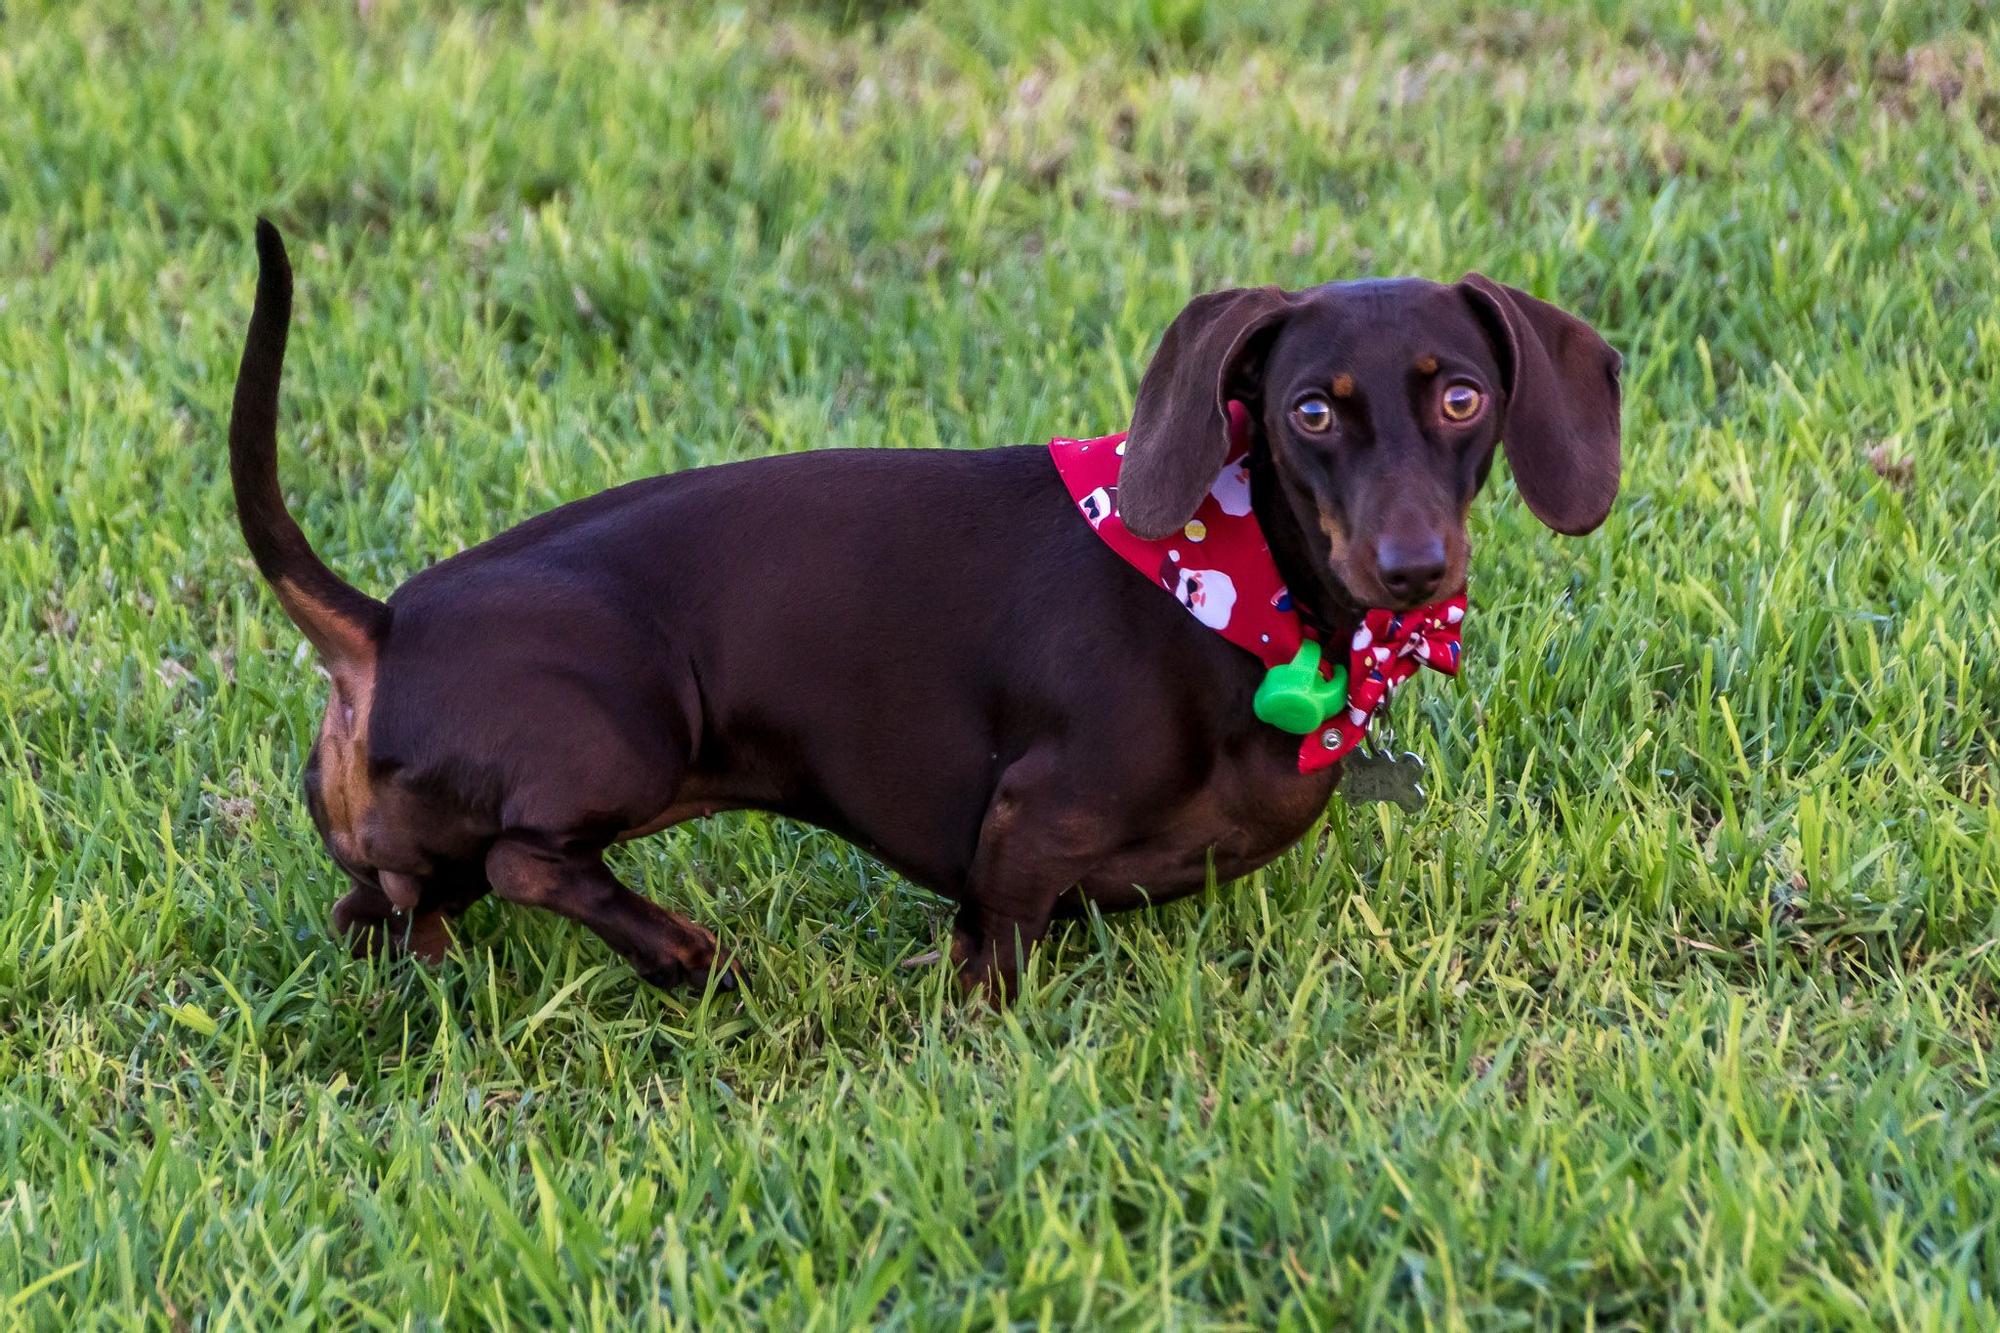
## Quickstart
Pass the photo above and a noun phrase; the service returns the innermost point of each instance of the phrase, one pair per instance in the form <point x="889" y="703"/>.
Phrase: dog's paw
<point x="362" y="917"/>
<point x="694" y="972"/>
<point x="428" y="939"/>
<point x="371" y="926"/>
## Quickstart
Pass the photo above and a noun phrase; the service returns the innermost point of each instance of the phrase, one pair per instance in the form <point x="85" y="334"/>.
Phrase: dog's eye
<point x="1314" y="414"/>
<point x="1461" y="402"/>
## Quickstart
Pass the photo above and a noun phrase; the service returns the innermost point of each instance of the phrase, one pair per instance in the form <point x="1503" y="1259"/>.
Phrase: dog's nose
<point x="1410" y="568"/>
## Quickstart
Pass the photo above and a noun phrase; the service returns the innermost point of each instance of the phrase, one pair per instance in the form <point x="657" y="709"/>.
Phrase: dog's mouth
<point x="1396" y="561"/>
<point x="1366" y="587"/>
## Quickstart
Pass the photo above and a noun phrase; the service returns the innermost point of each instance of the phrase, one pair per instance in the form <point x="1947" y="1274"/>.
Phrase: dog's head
<point x="1375" y="407"/>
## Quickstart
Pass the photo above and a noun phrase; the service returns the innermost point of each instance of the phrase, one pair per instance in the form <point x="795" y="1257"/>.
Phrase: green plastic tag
<point x="1294" y="698"/>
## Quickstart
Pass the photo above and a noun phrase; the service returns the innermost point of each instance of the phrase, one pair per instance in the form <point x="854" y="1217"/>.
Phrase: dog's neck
<point x="1320" y="598"/>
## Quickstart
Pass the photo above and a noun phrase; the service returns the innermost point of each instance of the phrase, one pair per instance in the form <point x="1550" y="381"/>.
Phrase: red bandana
<point x="1220" y="568"/>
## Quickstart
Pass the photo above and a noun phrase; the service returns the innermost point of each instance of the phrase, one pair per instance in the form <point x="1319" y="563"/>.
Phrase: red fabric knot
<point x="1219" y="567"/>
<point x="1388" y="649"/>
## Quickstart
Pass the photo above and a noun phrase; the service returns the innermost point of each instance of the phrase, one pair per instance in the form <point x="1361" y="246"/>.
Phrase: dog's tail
<point x="344" y="623"/>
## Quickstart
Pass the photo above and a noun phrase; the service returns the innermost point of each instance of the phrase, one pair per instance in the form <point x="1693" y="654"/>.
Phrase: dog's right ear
<point x="1179" y="440"/>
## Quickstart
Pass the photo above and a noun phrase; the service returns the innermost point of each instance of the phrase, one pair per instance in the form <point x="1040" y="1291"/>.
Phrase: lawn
<point x="1675" y="1006"/>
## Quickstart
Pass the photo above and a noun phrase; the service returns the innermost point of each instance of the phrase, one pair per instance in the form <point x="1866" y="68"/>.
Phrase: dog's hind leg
<point x="664" y="947"/>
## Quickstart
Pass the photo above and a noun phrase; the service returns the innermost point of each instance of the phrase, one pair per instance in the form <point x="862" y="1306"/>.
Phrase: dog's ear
<point x="1561" y="428"/>
<point x="1179" y="440"/>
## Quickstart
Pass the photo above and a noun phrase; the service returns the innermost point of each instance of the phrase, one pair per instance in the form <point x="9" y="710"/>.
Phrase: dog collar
<point x="1220" y="568"/>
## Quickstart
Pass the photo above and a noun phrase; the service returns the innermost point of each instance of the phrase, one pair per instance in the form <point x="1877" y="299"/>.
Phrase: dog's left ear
<point x="1561" y="428"/>
<point x="1180" y="422"/>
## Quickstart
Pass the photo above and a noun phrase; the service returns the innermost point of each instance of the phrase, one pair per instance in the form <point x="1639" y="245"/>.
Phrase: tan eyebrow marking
<point x="1427" y="365"/>
<point x="1343" y="385"/>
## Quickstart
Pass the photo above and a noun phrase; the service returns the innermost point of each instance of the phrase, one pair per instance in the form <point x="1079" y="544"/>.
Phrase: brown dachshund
<point x="927" y="652"/>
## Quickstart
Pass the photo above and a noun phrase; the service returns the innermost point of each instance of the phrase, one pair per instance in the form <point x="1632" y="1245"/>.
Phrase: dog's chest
<point x="1254" y="808"/>
<point x="1249" y="811"/>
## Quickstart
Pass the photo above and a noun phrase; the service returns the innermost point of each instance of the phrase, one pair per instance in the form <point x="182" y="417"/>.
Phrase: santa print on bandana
<point x="1220" y="568"/>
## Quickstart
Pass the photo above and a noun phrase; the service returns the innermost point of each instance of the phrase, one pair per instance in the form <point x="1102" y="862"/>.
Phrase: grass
<point x="1676" y="1006"/>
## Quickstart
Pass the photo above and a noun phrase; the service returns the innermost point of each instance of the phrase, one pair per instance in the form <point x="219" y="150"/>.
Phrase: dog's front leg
<point x="664" y="947"/>
<point x="1036" y="841"/>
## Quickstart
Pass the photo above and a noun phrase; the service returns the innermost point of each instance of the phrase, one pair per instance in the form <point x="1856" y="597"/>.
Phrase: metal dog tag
<point x="1384" y="775"/>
